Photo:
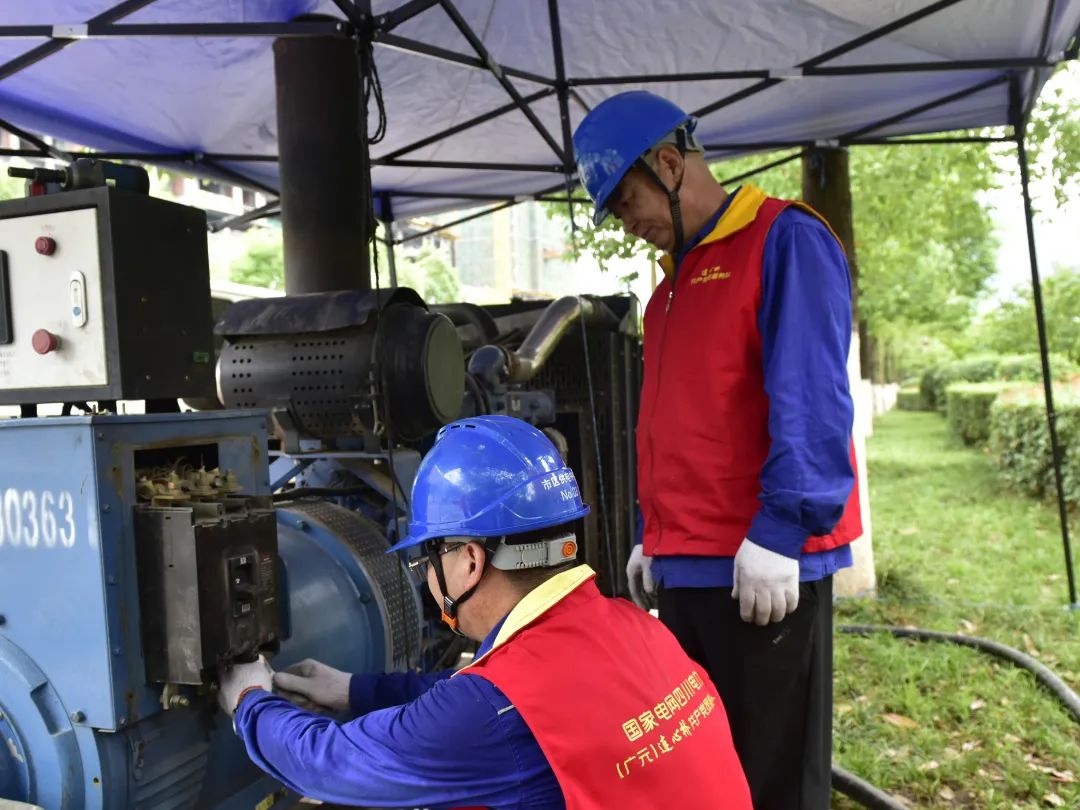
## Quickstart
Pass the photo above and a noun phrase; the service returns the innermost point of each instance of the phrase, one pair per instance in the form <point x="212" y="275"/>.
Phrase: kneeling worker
<point x="557" y="710"/>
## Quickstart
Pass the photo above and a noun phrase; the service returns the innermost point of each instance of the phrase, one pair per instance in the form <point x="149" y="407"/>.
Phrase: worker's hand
<point x="235" y="680"/>
<point x="766" y="584"/>
<point x="313" y="682"/>
<point x="639" y="575"/>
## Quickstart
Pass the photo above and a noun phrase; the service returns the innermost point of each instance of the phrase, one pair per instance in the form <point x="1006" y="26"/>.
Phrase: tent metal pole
<point x="1044" y="42"/>
<point x="469" y="165"/>
<point x="854" y="44"/>
<point x="386" y="211"/>
<point x="848" y="137"/>
<point x="499" y="74"/>
<point x="47" y="149"/>
<point x="393" y="41"/>
<point x="1044" y="351"/>
<point x="403" y="13"/>
<point x="391" y="261"/>
<point x="47" y="49"/>
<point x="472" y="122"/>
<point x="760" y="169"/>
<point x="615" y="560"/>
<point x="446" y="225"/>
<point x="901" y="140"/>
<point x="271" y="209"/>
<point x="837" y="70"/>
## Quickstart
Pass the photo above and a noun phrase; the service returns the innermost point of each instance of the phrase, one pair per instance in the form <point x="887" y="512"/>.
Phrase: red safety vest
<point x="703" y="428"/>
<point x="624" y="717"/>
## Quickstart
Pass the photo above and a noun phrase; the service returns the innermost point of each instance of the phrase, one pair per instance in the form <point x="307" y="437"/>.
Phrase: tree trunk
<point x="826" y="187"/>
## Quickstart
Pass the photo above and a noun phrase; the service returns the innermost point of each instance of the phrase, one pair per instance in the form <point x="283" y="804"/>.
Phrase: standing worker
<point x="548" y="715"/>
<point x="745" y="461"/>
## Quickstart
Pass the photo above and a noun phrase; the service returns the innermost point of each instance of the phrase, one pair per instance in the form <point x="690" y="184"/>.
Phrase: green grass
<point x="954" y="552"/>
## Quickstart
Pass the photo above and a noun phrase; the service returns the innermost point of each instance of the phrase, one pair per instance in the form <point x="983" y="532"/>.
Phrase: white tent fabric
<point x="214" y="95"/>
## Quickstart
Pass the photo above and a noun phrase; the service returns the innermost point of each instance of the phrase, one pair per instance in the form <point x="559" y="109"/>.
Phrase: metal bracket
<point x="786" y="73"/>
<point x="79" y="31"/>
<point x="290" y="433"/>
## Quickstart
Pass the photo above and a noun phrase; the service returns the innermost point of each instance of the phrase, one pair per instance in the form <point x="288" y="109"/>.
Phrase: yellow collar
<point x="539" y="601"/>
<point x="741" y="211"/>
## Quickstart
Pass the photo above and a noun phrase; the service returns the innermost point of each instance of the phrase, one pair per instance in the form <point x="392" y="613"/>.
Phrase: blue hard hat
<point x="490" y="476"/>
<point x="617" y="132"/>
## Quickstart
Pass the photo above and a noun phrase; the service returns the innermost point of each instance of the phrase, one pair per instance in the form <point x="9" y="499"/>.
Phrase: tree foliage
<point x="1053" y="133"/>
<point x="10" y="187"/>
<point x="427" y="272"/>
<point x="263" y="265"/>
<point x="1010" y="327"/>
<point x="430" y="275"/>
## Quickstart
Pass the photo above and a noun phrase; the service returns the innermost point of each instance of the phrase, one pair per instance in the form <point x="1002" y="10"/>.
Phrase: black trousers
<point x="776" y="684"/>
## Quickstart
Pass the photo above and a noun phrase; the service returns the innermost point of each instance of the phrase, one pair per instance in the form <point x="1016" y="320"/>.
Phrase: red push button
<point x="44" y="341"/>
<point x="45" y="245"/>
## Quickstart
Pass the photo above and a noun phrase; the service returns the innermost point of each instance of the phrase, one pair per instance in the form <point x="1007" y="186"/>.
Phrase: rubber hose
<point x="863" y="792"/>
<point x="1043" y="674"/>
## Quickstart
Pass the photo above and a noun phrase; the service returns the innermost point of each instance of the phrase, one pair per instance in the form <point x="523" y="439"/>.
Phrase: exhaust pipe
<point x="498" y="364"/>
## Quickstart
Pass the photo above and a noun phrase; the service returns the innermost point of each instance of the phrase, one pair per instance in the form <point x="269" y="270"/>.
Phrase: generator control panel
<point x="104" y="295"/>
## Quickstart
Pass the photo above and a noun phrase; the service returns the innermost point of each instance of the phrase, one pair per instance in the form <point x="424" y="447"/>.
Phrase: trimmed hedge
<point x="984" y="368"/>
<point x="968" y="409"/>
<point x="910" y="399"/>
<point x="1021" y="442"/>
<point x="935" y="380"/>
<point x="1029" y="367"/>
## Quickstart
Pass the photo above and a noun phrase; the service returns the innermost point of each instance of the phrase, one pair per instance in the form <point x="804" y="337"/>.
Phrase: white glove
<point x="234" y="680"/>
<point x="639" y="575"/>
<point x="314" y="685"/>
<point x="766" y="584"/>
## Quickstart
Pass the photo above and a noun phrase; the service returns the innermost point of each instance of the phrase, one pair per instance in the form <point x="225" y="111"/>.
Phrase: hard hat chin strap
<point x="451" y="605"/>
<point x="672" y="194"/>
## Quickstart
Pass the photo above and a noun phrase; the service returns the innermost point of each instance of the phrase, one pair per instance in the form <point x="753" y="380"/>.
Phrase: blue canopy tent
<point x="479" y="97"/>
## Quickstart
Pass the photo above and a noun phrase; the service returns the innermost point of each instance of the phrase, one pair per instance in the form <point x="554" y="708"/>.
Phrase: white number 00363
<point x="31" y="519"/>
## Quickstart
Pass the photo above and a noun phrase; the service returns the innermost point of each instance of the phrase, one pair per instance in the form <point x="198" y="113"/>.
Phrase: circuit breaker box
<point x="208" y="589"/>
<point x="104" y="295"/>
